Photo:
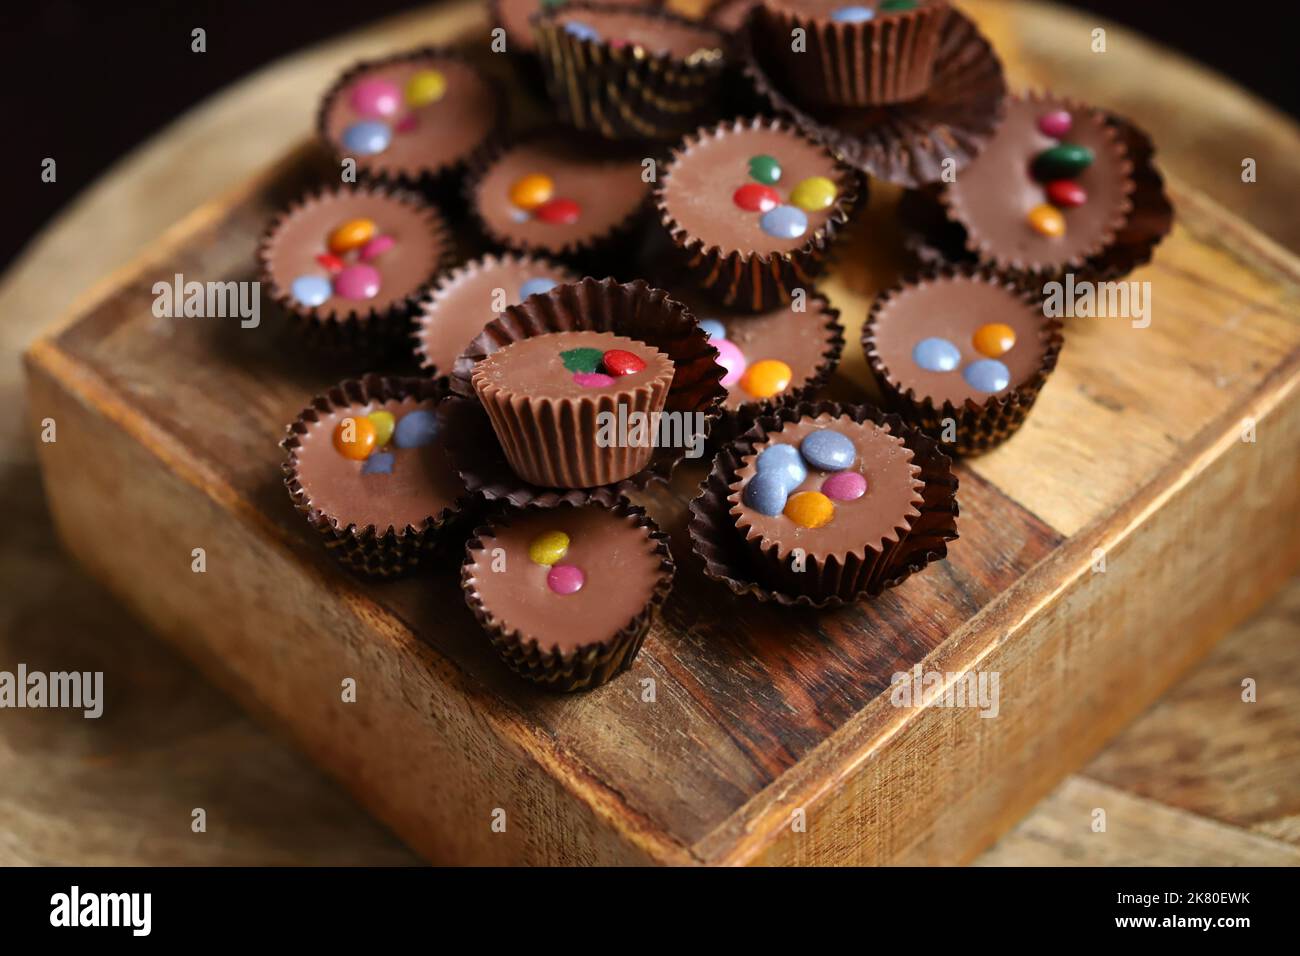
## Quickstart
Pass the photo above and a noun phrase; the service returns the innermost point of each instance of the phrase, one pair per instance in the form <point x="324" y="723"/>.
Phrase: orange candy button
<point x="355" y="438"/>
<point x="353" y="234"/>
<point x="766" y="378"/>
<point x="809" y="509"/>
<point x="1047" y="220"/>
<point x="529" y="192"/>
<point x="994" y="339"/>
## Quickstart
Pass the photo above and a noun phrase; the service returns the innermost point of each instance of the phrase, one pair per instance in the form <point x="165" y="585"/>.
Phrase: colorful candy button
<point x="529" y="192"/>
<point x="375" y="98"/>
<point x="416" y="429"/>
<point x="755" y="197"/>
<point x="765" y="493"/>
<point x="376" y="247"/>
<point x="828" y="450"/>
<point x="844" y="486"/>
<point x="330" y="262"/>
<point x="784" y="222"/>
<point x="311" y="291"/>
<point x="1063" y="161"/>
<point x="809" y="509"/>
<point x="1066" y="193"/>
<point x="813" y="194"/>
<point x="581" y="30"/>
<point x="565" y="579"/>
<point x="384" y="423"/>
<point x="766" y="378"/>
<point x="425" y="87"/>
<point x="380" y="463"/>
<point x="713" y="328"/>
<point x="353" y="234"/>
<point x="593" y="379"/>
<point x="536" y="287"/>
<point x="732" y="359"/>
<point x="355" y="438"/>
<point x="852" y="14"/>
<point x="1055" y="124"/>
<point x="897" y="6"/>
<point x="936" y="355"/>
<point x="994" y="339"/>
<point x="1046" y="221"/>
<point x="987" y="375"/>
<point x="785" y="462"/>
<point x="563" y="212"/>
<point x="581" y="360"/>
<point x="367" y="137"/>
<point x="764" y="169"/>
<point x="548" y="548"/>
<point x="407" y="123"/>
<point x="619" y="362"/>
<point x="358" y="283"/>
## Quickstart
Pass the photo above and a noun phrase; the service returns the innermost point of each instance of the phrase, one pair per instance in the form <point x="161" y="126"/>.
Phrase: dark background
<point x="86" y="81"/>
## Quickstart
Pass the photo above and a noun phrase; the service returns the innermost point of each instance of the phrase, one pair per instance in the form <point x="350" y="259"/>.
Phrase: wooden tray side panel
<point x="266" y="628"/>
<point x="1073" y="671"/>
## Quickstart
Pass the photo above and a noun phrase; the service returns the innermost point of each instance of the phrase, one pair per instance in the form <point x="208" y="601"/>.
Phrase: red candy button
<point x="1066" y="193"/>
<point x="755" y="197"/>
<point x="563" y="212"/>
<point x="618" y="362"/>
<point x="330" y="262"/>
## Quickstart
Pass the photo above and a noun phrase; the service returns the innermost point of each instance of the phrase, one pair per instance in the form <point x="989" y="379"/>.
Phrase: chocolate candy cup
<point x="889" y="58"/>
<point x="633" y="310"/>
<point x="751" y="279"/>
<point x="299" y="233"/>
<point x="911" y="143"/>
<point x="729" y="559"/>
<point x="975" y="426"/>
<point x="620" y="89"/>
<point x="588" y="665"/>
<point x="368" y="549"/>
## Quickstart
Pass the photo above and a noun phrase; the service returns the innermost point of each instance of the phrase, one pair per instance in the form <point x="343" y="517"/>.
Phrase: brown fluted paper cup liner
<point x="590" y="665"/>
<point x="728" y="558"/>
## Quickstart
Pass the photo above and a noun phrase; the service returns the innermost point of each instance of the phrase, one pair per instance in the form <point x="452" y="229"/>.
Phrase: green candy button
<point x="1061" y="162"/>
<point x="764" y="169"/>
<point x="582" y="360"/>
<point x="897" y="6"/>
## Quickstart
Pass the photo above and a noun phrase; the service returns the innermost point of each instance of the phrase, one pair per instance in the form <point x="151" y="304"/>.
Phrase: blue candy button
<point x="936" y="355"/>
<point x="581" y="30"/>
<point x="535" y="286"/>
<point x="987" y="375"/>
<point x="713" y="328"/>
<point x="852" y="14"/>
<point x="415" y="429"/>
<point x="828" y="450"/>
<point x="367" y="138"/>
<point x="379" y="463"/>
<point x="784" y="222"/>
<point x="784" y="461"/>
<point x="765" y="493"/>
<point x="311" y="291"/>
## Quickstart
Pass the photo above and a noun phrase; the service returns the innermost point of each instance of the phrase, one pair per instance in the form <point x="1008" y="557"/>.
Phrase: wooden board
<point x="1134" y="448"/>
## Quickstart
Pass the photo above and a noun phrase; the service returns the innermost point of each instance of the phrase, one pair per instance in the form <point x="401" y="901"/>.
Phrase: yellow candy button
<point x="810" y="509"/>
<point x="766" y="378"/>
<point x="548" y="547"/>
<point x="813" y="194"/>
<point x="1047" y="220"/>
<point x="531" y="191"/>
<point x="384" y="423"/>
<point x="353" y="234"/>
<point x="425" y="87"/>
<point x="994" y="339"/>
<point x="355" y="438"/>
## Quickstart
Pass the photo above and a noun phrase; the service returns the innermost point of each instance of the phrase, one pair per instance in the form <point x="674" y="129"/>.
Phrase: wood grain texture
<point x="746" y="730"/>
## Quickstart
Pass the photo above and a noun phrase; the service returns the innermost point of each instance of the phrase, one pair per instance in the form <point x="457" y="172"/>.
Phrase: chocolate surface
<point x="441" y="134"/>
<point x="890" y="503"/>
<point x="653" y="33"/>
<point x="514" y="16"/>
<point x="617" y="558"/>
<point x="421" y="485"/>
<point x="702" y="178"/>
<point x="414" y="258"/>
<point x="472" y="296"/>
<point x="992" y="196"/>
<point x="953" y="308"/>
<point x="608" y="190"/>
<point x="533" y="367"/>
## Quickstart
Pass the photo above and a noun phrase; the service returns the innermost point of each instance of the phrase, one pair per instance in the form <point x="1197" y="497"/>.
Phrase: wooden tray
<point x="167" y="435"/>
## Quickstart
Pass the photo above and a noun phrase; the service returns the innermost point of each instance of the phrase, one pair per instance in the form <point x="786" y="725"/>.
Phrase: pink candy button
<point x="844" y="486"/>
<point x="731" y="358"/>
<point x="1055" y="124"/>
<point x="565" y="579"/>
<point x="376" y="98"/>
<point x="592" y="379"/>
<point x="377" y="247"/>
<point x="358" y="282"/>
